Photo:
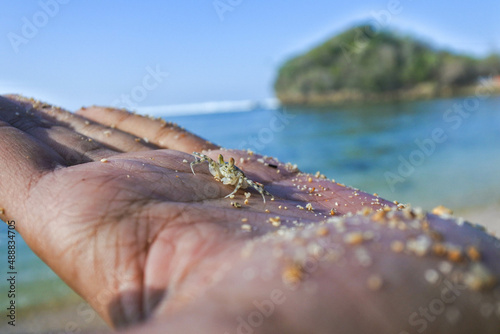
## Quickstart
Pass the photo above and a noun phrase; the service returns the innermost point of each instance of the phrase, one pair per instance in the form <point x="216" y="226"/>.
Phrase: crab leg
<point x="199" y="160"/>
<point x="260" y="189"/>
<point x="238" y="185"/>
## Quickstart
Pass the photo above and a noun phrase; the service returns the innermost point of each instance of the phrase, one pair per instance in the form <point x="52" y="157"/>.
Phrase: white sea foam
<point x="210" y="107"/>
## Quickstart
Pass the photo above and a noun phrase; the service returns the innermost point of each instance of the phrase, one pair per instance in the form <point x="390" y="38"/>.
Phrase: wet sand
<point x="69" y="316"/>
<point x="488" y="216"/>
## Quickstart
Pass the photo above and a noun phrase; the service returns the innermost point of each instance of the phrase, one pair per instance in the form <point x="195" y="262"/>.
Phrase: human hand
<point x="124" y="222"/>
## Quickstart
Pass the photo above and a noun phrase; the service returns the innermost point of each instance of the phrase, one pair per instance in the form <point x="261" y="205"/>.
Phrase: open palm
<point x="108" y="200"/>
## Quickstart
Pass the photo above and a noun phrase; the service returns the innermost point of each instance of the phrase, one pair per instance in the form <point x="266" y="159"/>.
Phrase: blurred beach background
<point x="168" y="60"/>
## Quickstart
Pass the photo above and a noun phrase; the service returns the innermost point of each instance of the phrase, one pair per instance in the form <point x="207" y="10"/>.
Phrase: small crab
<point x="228" y="173"/>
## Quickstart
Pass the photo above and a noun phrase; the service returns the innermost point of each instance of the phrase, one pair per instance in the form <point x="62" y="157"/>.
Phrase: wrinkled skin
<point x="156" y="249"/>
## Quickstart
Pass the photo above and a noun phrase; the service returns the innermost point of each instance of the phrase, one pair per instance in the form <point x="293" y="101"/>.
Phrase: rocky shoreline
<point x="353" y="97"/>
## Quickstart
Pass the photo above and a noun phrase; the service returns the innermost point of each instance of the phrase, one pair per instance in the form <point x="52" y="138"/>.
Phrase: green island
<point x="364" y="64"/>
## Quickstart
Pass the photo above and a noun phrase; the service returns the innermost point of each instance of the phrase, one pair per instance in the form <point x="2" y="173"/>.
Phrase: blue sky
<point x="73" y="53"/>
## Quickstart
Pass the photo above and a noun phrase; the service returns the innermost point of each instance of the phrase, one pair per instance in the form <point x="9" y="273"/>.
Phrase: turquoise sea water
<point x="374" y="148"/>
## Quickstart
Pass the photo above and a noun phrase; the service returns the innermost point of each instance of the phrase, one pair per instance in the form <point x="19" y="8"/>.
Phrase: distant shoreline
<point x="487" y="216"/>
<point x="353" y="97"/>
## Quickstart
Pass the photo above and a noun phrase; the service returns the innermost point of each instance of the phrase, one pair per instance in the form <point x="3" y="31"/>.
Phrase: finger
<point x="75" y="148"/>
<point x="156" y="131"/>
<point x="24" y="159"/>
<point x="114" y="138"/>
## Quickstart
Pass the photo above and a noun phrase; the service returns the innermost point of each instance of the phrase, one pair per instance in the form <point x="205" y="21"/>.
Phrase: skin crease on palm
<point x="107" y="199"/>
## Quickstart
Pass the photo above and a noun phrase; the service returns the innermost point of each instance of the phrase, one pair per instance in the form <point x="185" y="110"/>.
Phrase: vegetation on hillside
<point x="365" y="64"/>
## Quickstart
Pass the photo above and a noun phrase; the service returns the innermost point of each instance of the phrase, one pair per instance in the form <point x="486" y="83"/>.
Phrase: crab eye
<point x="231" y="162"/>
<point x="221" y="159"/>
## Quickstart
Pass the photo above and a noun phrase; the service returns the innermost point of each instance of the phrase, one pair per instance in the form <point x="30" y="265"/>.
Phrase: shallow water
<point x="357" y="146"/>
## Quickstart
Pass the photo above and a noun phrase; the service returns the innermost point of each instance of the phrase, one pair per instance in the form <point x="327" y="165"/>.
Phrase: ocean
<point x="426" y="153"/>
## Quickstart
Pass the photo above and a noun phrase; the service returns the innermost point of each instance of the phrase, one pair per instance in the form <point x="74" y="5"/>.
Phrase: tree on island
<point x="363" y="63"/>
